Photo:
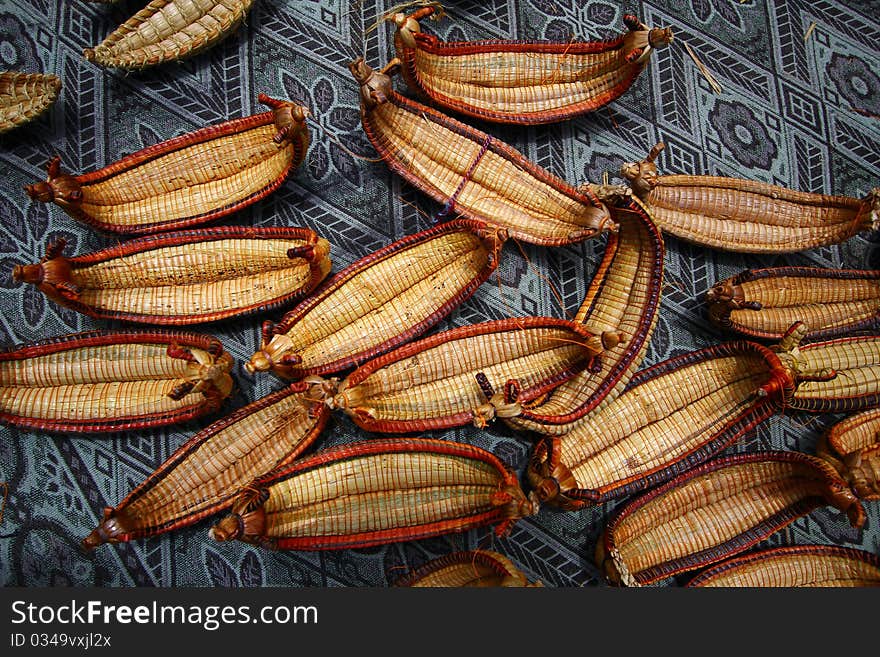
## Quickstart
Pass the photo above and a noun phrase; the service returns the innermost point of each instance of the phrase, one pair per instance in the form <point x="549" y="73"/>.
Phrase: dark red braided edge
<point x="762" y="555"/>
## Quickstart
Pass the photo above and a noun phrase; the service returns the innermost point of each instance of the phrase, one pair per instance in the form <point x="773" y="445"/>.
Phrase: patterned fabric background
<point x="785" y="116"/>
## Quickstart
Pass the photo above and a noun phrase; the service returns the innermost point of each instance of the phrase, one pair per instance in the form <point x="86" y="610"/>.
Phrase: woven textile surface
<point x="785" y="115"/>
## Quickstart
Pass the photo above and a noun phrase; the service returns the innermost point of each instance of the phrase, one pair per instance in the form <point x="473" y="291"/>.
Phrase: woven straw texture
<point x="714" y="512"/>
<point x="784" y="116"/>
<point x="472" y="568"/>
<point x="829" y="301"/>
<point x="736" y="215"/>
<point x="432" y="383"/>
<point x="804" y="566"/>
<point x="658" y="423"/>
<point x="194" y="276"/>
<point x="24" y="96"/>
<point x="521" y="82"/>
<point x="110" y="382"/>
<point x="169" y="30"/>
<point x="201" y="476"/>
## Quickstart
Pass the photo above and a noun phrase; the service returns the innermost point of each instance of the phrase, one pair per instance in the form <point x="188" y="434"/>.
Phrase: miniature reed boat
<point x="746" y="216"/>
<point x="473" y="568"/>
<point x="852" y="446"/>
<point x="381" y="301"/>
<point x="24" y="96"/>
<point x="103" y="381"/>
<point x="204" y="474"/>
<point x="673" y="416"/>
<point x="524" y="82"/>
<point x="472" y="173"/>
<point x="796" y="566"/>
<point x="624" y="295"/>
<point x="168" y="31"/>
<point x="450" y="378"/>
<point x="187" y="180"/>
<point x="715" y="511"/>
<point x="763" y="303"/>
<point x="187" y="277"/>
<point x="375" y="492"/>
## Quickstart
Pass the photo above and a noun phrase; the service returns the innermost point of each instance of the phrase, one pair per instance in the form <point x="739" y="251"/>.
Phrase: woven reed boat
<point x="795" y="566"/>
<point x="522" y="82"/>
<point x="185" y="277"/>
<point x="168" y="31"/>
<point x="746" y="216"/>
<point x="624" y="295"/>
<point x="851" y="380"/>
<point x="25" y="96"/>
<point x="673" y="416"/>
<point x="188" y="180"/>
<point x="376" y="492"/>
<point x="102" y="381"/>
<point x="381" y="301"/>
<point x="202" y="475"/>
<point x="763" y="303"/>
<point x="450" y="379"/>
<point x="473" y="174"/>
<point x="852" y="446"/>
<point x="473" y="568"/>
<point x="715" y="511"/>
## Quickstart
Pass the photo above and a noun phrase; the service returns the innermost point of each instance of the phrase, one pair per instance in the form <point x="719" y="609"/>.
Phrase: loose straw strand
<point x="396" y="9"/>
<point x="544" y="278"/>
<point x="336" y="141"/>
<point x="703" y="69"/>
<point x="809" y="31"/>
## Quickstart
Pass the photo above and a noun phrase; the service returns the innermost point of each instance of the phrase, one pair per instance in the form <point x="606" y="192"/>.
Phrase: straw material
<point x="764" y="303"/>
<point x="798" y="566"/>
<point x="203" y="475"/>
<point x="716" y="510"/>
<point x="519" y="81"/>
<point x="186" y="277"/>
<point x="472" y="173"/>
<point x="473" y="568"/>
<point x="856" y="386"/>
<point x="167" y="31"/>
<point x="451" y="378"/>
<point x="747" y="216"/>
<point x="380" y="301"/>
<point x="674" y="416"/>
<point x="112" y="381"/>
<point x="852" y="446"/>
<point x="188" y="180"/>
<point x="24" y="96"/>
<point x="376" y="492"/>
<point x="624" y="295"/>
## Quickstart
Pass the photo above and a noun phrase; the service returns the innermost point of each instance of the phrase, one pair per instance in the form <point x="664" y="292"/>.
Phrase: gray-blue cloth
<point x="785" y="115"/>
